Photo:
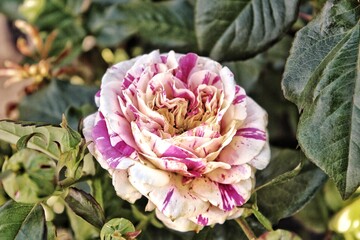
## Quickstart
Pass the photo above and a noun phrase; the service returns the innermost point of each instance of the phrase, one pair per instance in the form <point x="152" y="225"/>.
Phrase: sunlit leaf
<point x="57" y="139"/>
<point x="32" y="176"/>
<point x="117" y="227"/>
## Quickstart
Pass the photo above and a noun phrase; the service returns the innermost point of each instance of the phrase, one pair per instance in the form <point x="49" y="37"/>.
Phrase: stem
<point x="246" y="228"/>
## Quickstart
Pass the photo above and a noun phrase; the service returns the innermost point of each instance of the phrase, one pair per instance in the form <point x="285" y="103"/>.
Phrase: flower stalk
<point x="246" y="228"/>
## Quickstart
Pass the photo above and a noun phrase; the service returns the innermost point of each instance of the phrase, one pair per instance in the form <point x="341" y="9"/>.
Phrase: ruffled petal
<point x="232" y="175"/>
<point x="179" y="224"/>
<point x="215" y="215"/>
<point x="123" y="187"/>
<point x="249" y="139"/>
<point x="223" y="196"/>
<point x="166" y="191"/>
<point x="118" y="71"/>
<point x="262" y="159"/>
<point x="109" y="154"/>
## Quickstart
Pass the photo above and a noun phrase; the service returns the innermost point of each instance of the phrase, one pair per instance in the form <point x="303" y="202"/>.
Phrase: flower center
<point x="188" y="111"/>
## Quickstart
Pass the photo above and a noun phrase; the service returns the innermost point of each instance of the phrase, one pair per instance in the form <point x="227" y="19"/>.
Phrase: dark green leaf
<point x="284" y="199"/>
<point x="322" y="78"/>
<point x="315" y="215"/>
<point x="247" y="73"/>
<point x="228" y="29"/>
<point x="166" y="24"/>
<point x="22" y="221"/>
<point x="10" y="9"/>
<point x="48" y="104"/>
<point x="32" y="176"/>
<point x="57" y="138"/>
<point x="85" y="206"/>
<point x="283" y="115"/>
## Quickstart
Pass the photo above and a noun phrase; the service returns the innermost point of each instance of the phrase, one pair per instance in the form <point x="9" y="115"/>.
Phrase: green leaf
<point x="31" y="9"/>
<point x="20" y="221"/>
<point x="32" y="176"/>
<point x="23" y="141"/>
<point x="57" y="139"/>
<point x="10" y="9"/>
<point x="81" y="228"/>
<point x="267" y="93"/>
<point x="65" y="17"/>
<point x="247" y="73"/>
<point x="85" y="206"/>
<point x="49" y="103"/>
<point x="315" y="215"/>
<point x="284" y="199"/>
<point x="160" y="24"/>
<point x="322" y="78"/>
<point x="117" y="227"/>
<point x="229" y="30"/>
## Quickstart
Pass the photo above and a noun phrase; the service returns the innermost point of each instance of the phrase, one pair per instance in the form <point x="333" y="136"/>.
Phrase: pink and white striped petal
<point x="215" y="215"/>
<point x="249" y="139"/>
<point x="232" y="175"/>
<point x="166" y="191"/>
<point x="223" y="196"/>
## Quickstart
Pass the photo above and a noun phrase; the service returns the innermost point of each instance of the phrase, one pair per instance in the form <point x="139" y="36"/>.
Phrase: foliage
<point x="326" y="90"/>
<point x="281" y="52"/>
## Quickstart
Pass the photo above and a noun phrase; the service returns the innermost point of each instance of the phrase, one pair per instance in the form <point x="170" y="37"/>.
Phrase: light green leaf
<point x="285" y="198"/>
<point x="228" y="29"/>
<point x="32" y="176"/>
<point x="118" y="227"/>
<point x="57" y="139"/>
<point x="167" y="24"/>
<point x="31" y="9"/>
<point x="20" y="221"/>
<point x="81" y="228"/>
<point x="85" y="206"/>
<point x="322" y="78"/>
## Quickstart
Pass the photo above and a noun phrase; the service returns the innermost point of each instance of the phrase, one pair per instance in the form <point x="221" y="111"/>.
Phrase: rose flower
<point x="177" y="130"/>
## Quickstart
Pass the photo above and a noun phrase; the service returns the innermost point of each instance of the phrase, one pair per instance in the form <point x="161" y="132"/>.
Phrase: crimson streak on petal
<point x="251" y="133"/>
<point x="230" y="197"/>
<point x="186" y="64"/>
<point x="112" y="154"/>
<point x="202" y="220"/>
<point x="167" y="199"/>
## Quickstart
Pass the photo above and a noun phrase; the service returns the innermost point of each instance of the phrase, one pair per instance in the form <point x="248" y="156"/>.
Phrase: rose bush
<point x="177" y="130"/>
